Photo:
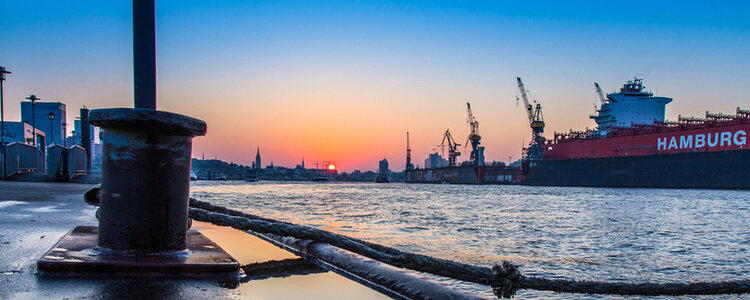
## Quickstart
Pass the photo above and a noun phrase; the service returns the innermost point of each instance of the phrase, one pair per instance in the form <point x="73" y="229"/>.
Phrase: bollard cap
<point x="140" y="119"/>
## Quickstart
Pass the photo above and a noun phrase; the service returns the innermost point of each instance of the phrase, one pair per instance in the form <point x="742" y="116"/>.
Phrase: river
<point x="612" y="234"/>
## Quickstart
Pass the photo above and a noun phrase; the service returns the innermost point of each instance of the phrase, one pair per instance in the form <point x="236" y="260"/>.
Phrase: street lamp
<point x="33" y="99"/>
<point x="51" y="117"/>
<point x="65" y="134"/>
<point x="2" y="116"/>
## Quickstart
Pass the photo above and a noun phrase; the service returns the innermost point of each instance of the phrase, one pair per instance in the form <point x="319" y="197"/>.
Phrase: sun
<point x="331" y="167"/>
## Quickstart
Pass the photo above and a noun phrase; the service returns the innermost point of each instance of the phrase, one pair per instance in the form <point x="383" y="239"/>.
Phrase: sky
<point x="343" y="81"/>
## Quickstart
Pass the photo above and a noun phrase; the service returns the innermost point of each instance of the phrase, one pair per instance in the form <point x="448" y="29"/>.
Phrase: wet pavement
<point x="35" y="215"/>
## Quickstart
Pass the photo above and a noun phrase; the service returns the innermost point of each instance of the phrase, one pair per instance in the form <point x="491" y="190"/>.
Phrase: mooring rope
<point x="382" y="253"/>
<point x="279" y="269"/>
<point x="505" y="279"/>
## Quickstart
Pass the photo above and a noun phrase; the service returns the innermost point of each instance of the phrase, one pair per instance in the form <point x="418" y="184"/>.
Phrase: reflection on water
<point x="581" y="233"/>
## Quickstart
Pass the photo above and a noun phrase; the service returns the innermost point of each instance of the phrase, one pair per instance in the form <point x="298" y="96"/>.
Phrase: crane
<point x="409" y="165"/>
<point x="474" y="137"/>
<point x="536" y="121"/>
<point x="452" y="147"/>
<point x="600" y="94"/>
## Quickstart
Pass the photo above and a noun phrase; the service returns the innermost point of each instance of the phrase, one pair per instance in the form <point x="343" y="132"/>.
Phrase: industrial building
<point x="22" y="132"/>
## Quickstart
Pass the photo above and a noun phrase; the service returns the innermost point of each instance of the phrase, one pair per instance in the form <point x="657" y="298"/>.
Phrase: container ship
<point x="632" y="146"/>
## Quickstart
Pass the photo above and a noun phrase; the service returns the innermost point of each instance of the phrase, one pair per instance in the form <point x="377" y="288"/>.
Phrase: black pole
<point x="2" y="118"/>
<point x="33" y="122"/>
<point x="144" y="54"/>
<point x="65" y="134"/>
<point x="33" y="99"/>
<point x="86" y="137"/>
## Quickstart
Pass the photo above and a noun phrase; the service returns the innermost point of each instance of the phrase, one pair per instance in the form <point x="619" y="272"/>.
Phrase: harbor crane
<point x="452" y="147"/>
<point x="409" y="165"/>
<point x="474" y="137"/>
<point x="536" y="121"/>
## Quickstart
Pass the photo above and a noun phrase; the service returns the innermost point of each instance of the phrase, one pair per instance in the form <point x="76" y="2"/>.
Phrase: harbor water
<point x="626" y="235"/>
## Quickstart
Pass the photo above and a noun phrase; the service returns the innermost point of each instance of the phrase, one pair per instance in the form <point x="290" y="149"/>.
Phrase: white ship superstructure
<point x="631" y="106"/>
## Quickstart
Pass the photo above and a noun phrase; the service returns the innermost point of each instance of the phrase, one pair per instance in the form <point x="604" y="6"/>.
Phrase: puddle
<point x="9" y="203"/>
<point x="9" y="272"/>
<point x="46" y="209"/>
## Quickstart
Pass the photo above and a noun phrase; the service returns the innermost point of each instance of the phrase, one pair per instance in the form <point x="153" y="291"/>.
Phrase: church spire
<point x="257" y="159"/>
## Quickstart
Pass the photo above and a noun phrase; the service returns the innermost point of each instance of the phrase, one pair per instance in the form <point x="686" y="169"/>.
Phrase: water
<point x="557" y="232"/>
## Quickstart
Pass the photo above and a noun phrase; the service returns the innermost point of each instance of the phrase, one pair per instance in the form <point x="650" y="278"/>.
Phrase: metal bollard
<point x="145" y="179"/>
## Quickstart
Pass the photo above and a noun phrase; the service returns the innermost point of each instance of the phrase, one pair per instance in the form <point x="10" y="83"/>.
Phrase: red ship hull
<point x="725" y="136"/>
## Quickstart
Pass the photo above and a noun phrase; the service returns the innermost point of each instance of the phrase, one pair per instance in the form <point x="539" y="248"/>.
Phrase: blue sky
<point x="343" y="80"/>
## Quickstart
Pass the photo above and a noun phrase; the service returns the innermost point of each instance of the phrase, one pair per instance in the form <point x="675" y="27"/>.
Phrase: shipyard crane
<point x="474" y="137"/>
<point x="452" y="147"/>
<point x="409" y="165"/>
<point x="536" y="121"/>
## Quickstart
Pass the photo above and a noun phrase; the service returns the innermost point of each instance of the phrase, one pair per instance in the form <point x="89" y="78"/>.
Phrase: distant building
<point x="383" y="167"/>
<point x="435" y="161"/>
<point x="257" y="159"/>
<point x="56" y="134"/>
<point x="93" y="132"/>
<point x="94" y="137"/>
<point x="22" y="132"/>
<point x="301" y="166"/>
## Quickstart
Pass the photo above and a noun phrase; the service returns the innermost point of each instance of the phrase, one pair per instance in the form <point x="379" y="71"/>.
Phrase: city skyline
<point x="344" y="82"/>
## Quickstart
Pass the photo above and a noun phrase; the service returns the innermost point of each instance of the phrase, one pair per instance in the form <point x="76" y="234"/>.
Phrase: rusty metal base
<point x="76" y="255"/>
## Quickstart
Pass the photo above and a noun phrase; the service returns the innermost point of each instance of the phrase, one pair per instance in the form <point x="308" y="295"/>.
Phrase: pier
<point x="35" y="215"/>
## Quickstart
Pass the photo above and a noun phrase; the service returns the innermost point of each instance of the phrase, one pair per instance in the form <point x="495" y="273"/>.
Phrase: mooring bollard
<point x="145" y="179"/>
<point x="145" y="184"/>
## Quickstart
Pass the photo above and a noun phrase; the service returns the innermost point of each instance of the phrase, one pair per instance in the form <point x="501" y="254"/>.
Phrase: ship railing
<point x="741" y="114"/>
<point x="745" y="113"/>
<point x="691" y="120"/>
<point x="721" y="117"/>
<point x="572" y="135"/>
<point x="683" y="123"/>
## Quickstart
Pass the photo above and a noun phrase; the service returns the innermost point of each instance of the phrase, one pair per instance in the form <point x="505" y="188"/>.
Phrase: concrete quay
<point x="35" y="215"/>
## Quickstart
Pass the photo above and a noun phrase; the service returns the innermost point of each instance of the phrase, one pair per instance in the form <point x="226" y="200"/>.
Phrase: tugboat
<point x="382" y="172"/>
<point x="252" y="176"/>
<point x="320" y="178"/>
<point x="382" y="178"/>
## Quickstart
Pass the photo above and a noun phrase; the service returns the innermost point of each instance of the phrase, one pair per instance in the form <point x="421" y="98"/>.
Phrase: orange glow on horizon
<point x="331" y="167"/>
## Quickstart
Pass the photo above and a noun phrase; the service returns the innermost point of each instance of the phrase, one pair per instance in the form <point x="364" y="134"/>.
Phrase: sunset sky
<point x="343" y="81"/>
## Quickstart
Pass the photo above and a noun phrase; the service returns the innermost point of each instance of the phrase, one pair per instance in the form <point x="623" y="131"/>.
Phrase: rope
<point x="505" y="279"/>
<point x="385" y="254"/>
<point x="643" y="289"/>
<point x="280" y="269"/>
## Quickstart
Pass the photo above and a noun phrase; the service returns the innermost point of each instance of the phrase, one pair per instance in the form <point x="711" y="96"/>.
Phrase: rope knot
<point x="505" y="279"/>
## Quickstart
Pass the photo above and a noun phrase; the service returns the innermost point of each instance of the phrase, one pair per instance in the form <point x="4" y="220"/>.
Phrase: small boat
<point x="252" y="176"/>
<point x="320" y="178"/>
<point x="382" y="178"/>
<point x="193" y="176"/>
